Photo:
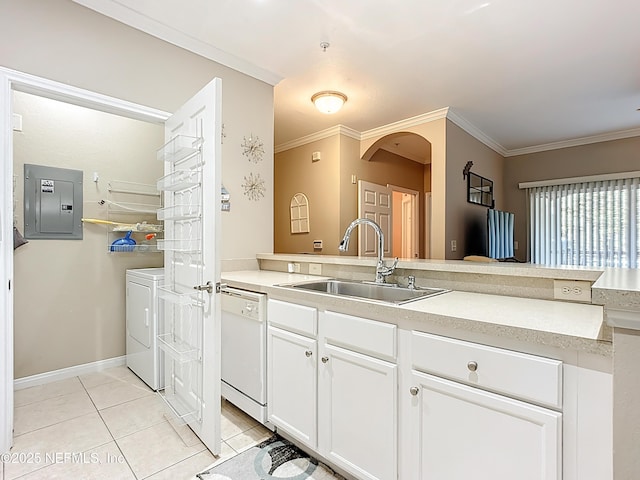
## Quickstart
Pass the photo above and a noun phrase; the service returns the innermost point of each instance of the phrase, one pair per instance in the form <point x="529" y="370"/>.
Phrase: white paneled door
<point x="374" y="203"/>
<point x="190" y="326"/>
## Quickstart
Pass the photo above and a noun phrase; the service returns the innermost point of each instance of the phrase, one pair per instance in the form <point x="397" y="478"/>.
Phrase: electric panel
<point x="52" y="203"/>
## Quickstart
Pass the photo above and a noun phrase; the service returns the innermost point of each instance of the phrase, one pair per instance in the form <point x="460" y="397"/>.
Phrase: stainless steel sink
<point x="388" y="293"/>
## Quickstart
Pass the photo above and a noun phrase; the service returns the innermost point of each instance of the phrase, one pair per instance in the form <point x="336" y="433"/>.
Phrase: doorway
<point x="19" y="83"/>
<point x="406" y="222"/>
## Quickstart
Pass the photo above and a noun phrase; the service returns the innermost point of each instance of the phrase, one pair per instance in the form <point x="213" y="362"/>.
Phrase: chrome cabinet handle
<point x="308" y="353"/>
<point x="472" y="366"/>
<point x="324" y="359"/>
<point x="414" y="391"/>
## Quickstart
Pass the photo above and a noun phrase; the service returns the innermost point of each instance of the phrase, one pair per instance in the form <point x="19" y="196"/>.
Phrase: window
<point x="592" y="223"/>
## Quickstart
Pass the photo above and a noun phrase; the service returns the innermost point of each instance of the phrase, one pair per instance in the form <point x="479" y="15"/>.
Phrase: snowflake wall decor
<point x="254" y="187"/>
<point x="252" y="148"/>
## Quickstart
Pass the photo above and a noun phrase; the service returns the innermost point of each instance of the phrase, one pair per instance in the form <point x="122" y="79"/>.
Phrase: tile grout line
<point x="115" y="442"/>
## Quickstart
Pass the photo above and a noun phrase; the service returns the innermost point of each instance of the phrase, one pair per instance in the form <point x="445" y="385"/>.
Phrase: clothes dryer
<point x="144" y="357"/>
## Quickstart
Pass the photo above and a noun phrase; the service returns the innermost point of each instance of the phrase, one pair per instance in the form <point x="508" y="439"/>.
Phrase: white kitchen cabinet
<point x="358" y="413"/>
<point x="332" y="385"/>
<point x="464" y="432"/>
<point x="455" y="428"/>
<point x="292" y="385"/>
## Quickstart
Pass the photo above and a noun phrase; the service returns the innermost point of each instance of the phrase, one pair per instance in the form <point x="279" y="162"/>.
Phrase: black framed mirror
<point x="479" y="190"/>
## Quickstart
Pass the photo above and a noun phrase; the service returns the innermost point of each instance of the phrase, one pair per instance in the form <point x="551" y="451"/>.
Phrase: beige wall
<point x="466" y="222"/>
<point x="349" y="162"/>
<point x="594" y="159"/>
<point x="333" y="198"/>
<point x="295" y="172"/>
<point x="63" y="41"/>
<point x="69" y="295"/>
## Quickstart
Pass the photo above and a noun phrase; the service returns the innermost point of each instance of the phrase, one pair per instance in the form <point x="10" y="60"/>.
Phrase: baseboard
<point x="63" y="373"/>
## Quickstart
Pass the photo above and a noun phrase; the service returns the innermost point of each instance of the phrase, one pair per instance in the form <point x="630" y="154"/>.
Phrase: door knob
<point x="208" y="287"/>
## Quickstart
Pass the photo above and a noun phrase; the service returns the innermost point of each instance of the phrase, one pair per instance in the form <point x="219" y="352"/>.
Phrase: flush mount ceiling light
<point x="328" y="101"/>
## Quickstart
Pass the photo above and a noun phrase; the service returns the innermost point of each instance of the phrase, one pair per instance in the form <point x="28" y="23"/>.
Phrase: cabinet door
<point x="357" y="416"/>
<point x="292" y="385"/>
<point x="464" y="432"/>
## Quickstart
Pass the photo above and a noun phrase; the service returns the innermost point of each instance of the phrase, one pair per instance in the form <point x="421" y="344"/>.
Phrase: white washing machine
<point x="144" y="357"/>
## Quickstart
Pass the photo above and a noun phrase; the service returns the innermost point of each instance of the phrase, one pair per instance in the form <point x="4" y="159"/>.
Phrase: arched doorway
<point x="401" y="170"/>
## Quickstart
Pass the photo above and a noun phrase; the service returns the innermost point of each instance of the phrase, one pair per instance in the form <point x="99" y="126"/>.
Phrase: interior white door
<point x="374" y="203"/>
<point x="408" y="227"/>
<point x="191" y="318"/>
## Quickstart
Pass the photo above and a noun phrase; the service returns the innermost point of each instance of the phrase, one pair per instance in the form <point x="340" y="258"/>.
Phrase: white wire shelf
<point x="179" y="148"/>
<point x="180" y="245"/>
<point x="132" y="188"/>
<point x="179" y="350"/>
<point x="180" y="212"/>
<point x="138" y="248"/>
<point x="179" y="180"/>
<point x="177" y="298"/>
<point x="177" y="409"/>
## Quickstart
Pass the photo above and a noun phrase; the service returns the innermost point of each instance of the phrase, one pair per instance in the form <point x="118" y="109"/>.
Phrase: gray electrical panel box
<point x="52" y="203"/>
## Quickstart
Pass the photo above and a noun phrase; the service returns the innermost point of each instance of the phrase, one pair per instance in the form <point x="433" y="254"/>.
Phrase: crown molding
<point x="472" y="130"/>
<point x="406" y="123"/>
<point x="461" y="122"/>
<point x="576" y="142"/>
<point x="321" y="135"/>
<point x="124" y="14"/>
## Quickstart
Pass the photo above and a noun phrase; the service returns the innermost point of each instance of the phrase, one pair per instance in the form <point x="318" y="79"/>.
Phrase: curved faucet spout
<point x="382" y="271"/>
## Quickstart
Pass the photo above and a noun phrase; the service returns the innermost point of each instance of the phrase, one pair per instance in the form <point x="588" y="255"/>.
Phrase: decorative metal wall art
<point x="254" y="187"/>
<point x="253" y="148"/>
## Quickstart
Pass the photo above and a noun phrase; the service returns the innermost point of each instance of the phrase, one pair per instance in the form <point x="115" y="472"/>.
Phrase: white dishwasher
<point x="244" y="356"/>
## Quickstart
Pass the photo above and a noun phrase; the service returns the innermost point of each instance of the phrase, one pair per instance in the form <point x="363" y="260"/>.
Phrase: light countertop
<point x="618" y="290"/>
<point x="554" y="323"/>
<point x="455" y="266"/>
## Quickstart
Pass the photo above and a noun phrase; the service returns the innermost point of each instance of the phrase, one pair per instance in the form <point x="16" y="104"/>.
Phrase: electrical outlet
<point x="315" y="269"/>
<point x="293" y="267"/>
<point x="515" y="245"/>
<point x="572" y="290"/>
<point x="454" y="245"/>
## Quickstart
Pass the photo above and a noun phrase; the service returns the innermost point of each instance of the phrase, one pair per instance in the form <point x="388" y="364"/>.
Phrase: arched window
<point x="299" y="213"/>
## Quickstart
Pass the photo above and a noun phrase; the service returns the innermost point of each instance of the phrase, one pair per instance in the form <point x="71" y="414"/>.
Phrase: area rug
<point x="274" y="458"/>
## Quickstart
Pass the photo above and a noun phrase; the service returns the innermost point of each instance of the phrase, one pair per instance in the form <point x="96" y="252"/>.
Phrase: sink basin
<point x="387" y="293"/>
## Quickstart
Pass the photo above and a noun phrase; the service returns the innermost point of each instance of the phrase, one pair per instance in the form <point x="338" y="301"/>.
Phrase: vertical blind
<point x="593" y="224"/>
<point x="500" y="234"/>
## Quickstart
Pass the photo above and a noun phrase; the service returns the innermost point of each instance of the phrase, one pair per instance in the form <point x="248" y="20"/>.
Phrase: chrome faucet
<point x="382" y="271"/>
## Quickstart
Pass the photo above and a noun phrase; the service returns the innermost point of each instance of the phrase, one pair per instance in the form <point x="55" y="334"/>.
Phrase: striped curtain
<point x="594" y="224"/>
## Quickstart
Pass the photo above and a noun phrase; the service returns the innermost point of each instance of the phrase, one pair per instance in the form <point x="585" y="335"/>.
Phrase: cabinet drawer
<point x="292" y="317"/>
<point x="359" y="334"/>
<point x="525" y="376"/>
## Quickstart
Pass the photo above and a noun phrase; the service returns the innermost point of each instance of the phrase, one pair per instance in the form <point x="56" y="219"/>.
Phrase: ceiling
<point x="519" y="74"/>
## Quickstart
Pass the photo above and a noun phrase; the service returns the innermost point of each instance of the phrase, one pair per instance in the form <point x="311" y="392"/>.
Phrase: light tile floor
<point x="110" y="425"/>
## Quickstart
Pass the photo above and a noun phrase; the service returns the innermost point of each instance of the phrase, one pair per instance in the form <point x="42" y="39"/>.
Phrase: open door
<point x="190" y="317"/>
<point x="374" y="203"/>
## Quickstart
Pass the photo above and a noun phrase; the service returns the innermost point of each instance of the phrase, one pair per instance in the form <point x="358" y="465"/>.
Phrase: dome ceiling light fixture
<point x="328" y="101"/>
